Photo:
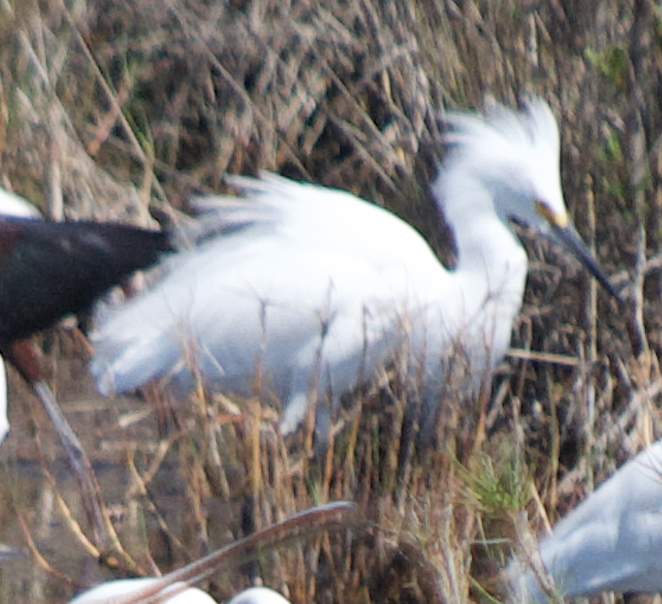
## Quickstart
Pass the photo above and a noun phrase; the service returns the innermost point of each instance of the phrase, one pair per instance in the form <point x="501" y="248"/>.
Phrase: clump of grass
<point x="498" y="482"/>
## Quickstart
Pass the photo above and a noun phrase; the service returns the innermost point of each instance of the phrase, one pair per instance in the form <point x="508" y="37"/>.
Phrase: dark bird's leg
<point x="24" y="356"/>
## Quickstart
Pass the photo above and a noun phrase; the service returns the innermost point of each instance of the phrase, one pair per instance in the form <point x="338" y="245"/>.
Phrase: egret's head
<point x="513" y="156"/>
<point x="508" y="161"/>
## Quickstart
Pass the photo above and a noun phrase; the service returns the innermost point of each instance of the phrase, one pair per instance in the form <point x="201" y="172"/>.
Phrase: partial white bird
<point x="612" y="541"/>
<point x="259" y="595"/>
<point x="128" y="591"/>
<point x="14" y="205"/>
<point x="315" y="288"/>
<point x="4" y="417"/>
<point x="176" y="586"/>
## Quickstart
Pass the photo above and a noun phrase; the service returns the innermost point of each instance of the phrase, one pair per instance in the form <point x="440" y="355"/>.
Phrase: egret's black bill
<point x="569" y="237"/>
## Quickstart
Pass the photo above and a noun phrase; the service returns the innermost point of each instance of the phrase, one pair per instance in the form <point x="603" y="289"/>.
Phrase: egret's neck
<point x="491" y="262"/>
<point x="489" y="246"/>
<point x="489" y="277"/>
<point x="486" y="246"/>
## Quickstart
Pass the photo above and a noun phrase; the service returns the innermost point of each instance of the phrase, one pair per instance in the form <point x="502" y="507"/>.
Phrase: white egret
<point x="612" y="541"/>
<point x="315" y="288"/>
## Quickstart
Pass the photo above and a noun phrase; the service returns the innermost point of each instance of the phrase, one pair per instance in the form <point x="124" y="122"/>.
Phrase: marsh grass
<point x="111" y="108"/>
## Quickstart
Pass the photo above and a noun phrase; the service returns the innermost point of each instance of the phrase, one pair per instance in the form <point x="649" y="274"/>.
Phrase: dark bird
<point x="49" y="270"/>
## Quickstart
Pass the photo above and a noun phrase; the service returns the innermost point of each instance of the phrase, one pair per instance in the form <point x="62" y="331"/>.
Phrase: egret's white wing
<point x="308" y="271"/>
<point x="266" y="305"/>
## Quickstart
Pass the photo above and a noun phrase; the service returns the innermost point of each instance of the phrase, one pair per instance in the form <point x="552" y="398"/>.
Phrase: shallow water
<point x="25" y="491"/>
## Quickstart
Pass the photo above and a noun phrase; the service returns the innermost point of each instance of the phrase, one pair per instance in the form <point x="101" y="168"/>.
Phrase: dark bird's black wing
<point x="49" y="270"/>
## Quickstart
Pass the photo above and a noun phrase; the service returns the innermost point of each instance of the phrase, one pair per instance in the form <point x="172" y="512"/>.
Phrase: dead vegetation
<point x="109" y="108"/>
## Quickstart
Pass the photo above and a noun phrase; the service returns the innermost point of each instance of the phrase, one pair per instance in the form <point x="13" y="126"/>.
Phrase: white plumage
<point x="316" y="288"/>
<point x="14" y="205"/>
<point x="4" y="418"/>
<point x="258" y="595"/>
<point x="134" y="591"/>
<point x="612" y="541"/>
